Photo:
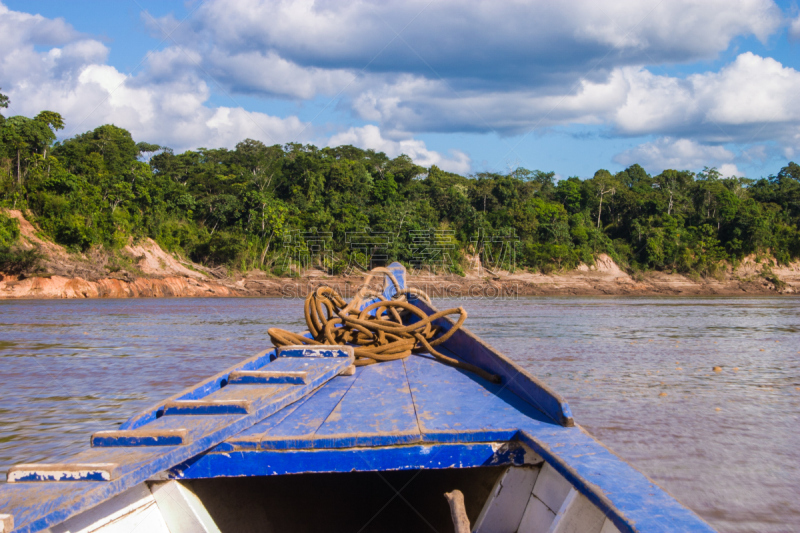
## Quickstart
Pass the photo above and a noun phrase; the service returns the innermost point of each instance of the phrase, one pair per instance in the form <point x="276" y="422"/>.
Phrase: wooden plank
<point x="578" y="515"/>
<point x="376" y="411"/>
<point x="551" y="488"/>
<point x="6" y="523"/>
<point x="455" y="405"/>
<point x="316" y="350"/>
<point x="250" y="438"/>
<point x="537" y="518"/>
<point x="65" y="499"/>
<point x="502" y="512"/>
<point x="62" y="472"/>
<point x="140" y="437"/>
<point x="182" y="510"/>
<point x="572" y="495"/>
<point x="244" y="377"/>
<point x="471" y="349"/>
<point x="130" y="512"/>
<point x="207" y="407"/>
<point x="297" y="430"/>
<point x="367" y="459"/>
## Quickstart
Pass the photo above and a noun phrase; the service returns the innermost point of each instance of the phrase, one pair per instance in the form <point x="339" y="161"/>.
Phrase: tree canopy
<point x="245" y="207"/>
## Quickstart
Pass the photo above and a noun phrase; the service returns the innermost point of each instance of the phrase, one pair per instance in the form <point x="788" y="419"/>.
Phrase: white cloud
<point x="729" y="170"/>
<point x="74" y="80"/>
<point x="678" y="154"/>
<point x="751" y="90"/>
<point x="370" y="137"/>
<point x="753" y="99"/>
<point x="540" y="42"/>
<point x="794" y="28"/>
<point x="16" y="26"/>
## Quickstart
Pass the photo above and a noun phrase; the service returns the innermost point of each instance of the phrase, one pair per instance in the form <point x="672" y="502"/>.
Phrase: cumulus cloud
<point x="750" y="100"/>
<point x="370" y="137"/>
<point x="168" y="102"/>
<point x="726" y="104"/>
<point x="540" y="42"/>
<point x="73" y="79"/>
<point x="729" y="170"/>
<point x="679" y="154"/>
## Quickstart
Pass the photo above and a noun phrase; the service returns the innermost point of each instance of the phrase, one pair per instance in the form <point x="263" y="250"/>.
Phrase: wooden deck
<point x="419" y="413"/>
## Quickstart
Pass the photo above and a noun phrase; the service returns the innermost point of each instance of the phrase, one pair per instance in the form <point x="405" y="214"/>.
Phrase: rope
<point x="379" y="338"/>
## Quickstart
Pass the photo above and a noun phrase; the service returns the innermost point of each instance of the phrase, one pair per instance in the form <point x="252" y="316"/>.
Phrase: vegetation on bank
<point x="240" y="207"/>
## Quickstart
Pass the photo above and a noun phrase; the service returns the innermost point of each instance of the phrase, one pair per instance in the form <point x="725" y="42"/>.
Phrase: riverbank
<point x="590" y="282"/>
<point x="145" y="270"/>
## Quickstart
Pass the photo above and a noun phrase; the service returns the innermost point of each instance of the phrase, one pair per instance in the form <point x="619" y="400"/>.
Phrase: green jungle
<point x="236" y="208"/>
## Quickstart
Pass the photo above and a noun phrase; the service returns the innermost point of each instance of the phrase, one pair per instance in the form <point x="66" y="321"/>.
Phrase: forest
<point x="254" y="206"/>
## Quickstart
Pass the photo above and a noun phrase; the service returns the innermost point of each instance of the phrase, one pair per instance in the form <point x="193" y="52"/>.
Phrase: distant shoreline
<point x="575" y="283"/>
<point x="151" y="272"/>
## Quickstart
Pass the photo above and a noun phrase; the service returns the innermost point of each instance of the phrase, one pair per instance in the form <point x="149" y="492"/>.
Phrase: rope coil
<point x="381" y="336"/>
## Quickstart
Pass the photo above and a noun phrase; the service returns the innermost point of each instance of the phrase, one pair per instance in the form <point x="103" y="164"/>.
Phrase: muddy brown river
<point x="638" y="374"/>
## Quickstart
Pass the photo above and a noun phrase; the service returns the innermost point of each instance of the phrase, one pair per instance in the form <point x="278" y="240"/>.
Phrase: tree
<point x="673" y="183"/>
<point x="605" y="185"/>
<point x="13" y="136"/>
<point x="568" y="192"/>
<point x="27" y="136"/>
<point x="3" y="103"/>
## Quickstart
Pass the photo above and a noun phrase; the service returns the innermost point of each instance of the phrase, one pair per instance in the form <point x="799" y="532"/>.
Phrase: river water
<point x="637" y="372"/>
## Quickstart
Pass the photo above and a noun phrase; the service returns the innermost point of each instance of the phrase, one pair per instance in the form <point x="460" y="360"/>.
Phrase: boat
<point x="299" y="439"/>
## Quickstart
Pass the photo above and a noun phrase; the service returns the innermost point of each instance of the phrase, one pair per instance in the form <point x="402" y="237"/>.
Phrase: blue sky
<point x="568" y="87"/>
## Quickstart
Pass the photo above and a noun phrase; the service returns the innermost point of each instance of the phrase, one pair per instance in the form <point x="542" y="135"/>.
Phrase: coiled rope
<point x="377" y="337"/>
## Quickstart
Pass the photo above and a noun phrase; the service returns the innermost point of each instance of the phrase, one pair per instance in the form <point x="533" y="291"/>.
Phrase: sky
<point x="569" y="87"/>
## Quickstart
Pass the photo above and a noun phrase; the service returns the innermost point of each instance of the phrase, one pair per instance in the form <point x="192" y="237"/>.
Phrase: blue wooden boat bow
<point x="299" y="412"/>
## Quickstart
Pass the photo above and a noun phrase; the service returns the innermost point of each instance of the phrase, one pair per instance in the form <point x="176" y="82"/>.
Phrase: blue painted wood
<point x="41" y="505"/>
<point x="473" y="350"/>
<point x="389" y="289"/>
<point x="314" y="351"/>
<point x="400" y="275"/>
<point x="250" y="377"/>
<point x="250" y="438"/>
<point x="207" y="407"/>
<point x="61" y="472"/>
<point x="378" y="410"/>
<point x="135" y="437"/>
<point x="297" y="430"/>
<point x="454" y="405"/>
<point x="273" y="462"/>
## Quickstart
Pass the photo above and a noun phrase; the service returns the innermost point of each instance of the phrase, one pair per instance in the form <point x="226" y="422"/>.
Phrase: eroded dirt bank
<point x="145" y="270"/>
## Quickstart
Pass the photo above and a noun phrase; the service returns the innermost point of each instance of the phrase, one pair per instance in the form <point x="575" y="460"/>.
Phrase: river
<point x="638" y="374"/>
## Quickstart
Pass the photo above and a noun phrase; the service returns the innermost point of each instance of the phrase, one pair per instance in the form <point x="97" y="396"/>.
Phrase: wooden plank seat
<point x="249" y="377"/>
<point x="207" y="407"/>
<point x="62" y="472"/>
